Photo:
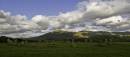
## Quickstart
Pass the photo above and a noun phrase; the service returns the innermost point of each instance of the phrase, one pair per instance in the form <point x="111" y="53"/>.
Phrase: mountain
<point x="81" y="35"/>
<point x="65" y="35"/>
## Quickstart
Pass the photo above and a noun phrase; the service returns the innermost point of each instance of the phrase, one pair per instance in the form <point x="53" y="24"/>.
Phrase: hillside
<point x="99" y="35"/>
<point x="76" y="36"/>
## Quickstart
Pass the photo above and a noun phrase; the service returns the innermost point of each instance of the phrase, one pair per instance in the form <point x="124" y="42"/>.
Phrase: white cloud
<point x="115" y="23"/>
<point x="16" y="23"/>
<point x="114" y="20"/>
<point x="95" y="15"/>
<point x="43" y="21"/>
<point x="108" y="12"/>
<point x="106" y="8"/>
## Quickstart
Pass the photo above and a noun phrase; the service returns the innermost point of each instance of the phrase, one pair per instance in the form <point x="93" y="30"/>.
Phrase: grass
<point x="62" y="49"/>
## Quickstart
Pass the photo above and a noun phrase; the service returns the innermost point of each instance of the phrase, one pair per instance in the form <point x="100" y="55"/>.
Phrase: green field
<point x="62" y="49"/>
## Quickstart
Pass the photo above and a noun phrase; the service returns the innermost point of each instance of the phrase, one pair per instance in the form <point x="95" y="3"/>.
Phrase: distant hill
<point x="81" y="35"/>
<point x="63" y="35"/>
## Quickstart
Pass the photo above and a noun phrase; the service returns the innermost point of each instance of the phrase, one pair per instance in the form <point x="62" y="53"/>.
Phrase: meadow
<point x="65" y="49"/>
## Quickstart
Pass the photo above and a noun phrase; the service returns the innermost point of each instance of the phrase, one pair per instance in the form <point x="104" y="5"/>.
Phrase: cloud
<point x="103" y="9"/>
<point x="93" y="15"/>
<point x="26" y="34"/>
<point x="115" y="23"/>
<point x="42" y="21"/>
<point x="16" y="23"/>
<point x="114" y="20"/>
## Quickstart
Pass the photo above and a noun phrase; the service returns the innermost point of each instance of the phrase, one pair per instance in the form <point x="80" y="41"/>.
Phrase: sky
<point x="36" y="7"/>
<point x="28" y="18"/>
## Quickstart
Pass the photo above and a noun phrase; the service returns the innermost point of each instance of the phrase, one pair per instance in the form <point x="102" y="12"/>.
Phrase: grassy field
<point x="61" y="49"/>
